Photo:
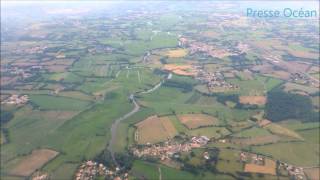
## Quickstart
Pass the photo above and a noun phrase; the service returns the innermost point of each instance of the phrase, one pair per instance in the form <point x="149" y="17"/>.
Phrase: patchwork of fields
<point x="204" y="92"/>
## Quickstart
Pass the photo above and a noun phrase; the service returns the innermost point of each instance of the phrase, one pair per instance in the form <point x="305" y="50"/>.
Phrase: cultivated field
<point x="244" y="75"/>
<point x="34" y="161"/>
<point x="277" y="129"/>
<point x="210" y="34"/>
<point x="185" y="70"/>
<point x="154" y="129"/>
<point x="49" y="102"/>
<point x="269" y="167"/>
<point x="312" y="173"/>
<point x="253" y="100"/>
<point x="2" y="137"/>
<point x="297" y="87"/>
<point x="252" y="132"/>
<point x="256" y="140"/>
<point x="193" y="121"/>
<point x="229" y="161"/>
<point x="210" y="132"/>
<point x="177" y="53"/>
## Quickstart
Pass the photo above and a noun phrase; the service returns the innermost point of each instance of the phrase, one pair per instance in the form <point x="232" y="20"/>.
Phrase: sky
<point x="35" y="9"/>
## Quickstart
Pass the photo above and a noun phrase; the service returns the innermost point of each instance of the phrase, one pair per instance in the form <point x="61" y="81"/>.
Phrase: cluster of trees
<point x="239" y="61"/>
<point x="110" y="96"/>
<point x="5" y="116"/>
<point x="209" y="165"/>
<point x="159" y="72"/>
<point x="282" y="106"/>
<point x="289" y="57"/>
<point x="163" y="60"/>
<point x="222" y="98"/>
<point x="184" y="86"/>
<point x="124" y="160"/>
<point x="105" y="158"/>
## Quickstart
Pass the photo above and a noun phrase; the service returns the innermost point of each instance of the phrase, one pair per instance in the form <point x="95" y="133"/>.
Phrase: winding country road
<point x="115" y="125"/>
<point x="116" y="122"/>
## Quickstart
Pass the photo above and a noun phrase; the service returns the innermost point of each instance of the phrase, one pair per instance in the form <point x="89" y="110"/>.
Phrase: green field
<point x="138" y="47"/>
<point x="125" y="133"/>
<point x="151" y="171"/>
<point x="47" y="102"/>
<point x="228" y="162"/>
<point x="89" y="132"/>
<point x="269" y="82"/>
<point x="167" y="100"/>
<point x="298" y="153"/>
<point x="252" y="132"/>
<point x="66" y="77"/>
<point x="249" y="88"/>
<point x="210" y="132"/>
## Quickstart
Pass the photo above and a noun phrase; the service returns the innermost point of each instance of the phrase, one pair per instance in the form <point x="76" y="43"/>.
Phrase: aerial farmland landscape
<point x="160" y="90"/>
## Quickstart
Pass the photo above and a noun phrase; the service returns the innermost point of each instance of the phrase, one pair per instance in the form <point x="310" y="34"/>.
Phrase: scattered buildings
<point x="255" y="163"/>
<point x="40" y="176"/>
<point x="90" y="170"/>
<point x="252" y="158"/>
<point x="169" y="149"/>
<point x="301" y="78"/>
<point x="206" y="155"/>
<point x="261" y="164"/>
<point x="215" y="81"/>
<point x="294" y="172"/>
<point x="264" y="122"/>
<point x="16" y="100"/>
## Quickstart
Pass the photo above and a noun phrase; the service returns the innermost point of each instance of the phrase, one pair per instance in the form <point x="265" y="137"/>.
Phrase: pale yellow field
<point x="154" y="130"/>
<point x="312" y="173"/>
<point x="268" y="168"/>
<point x="253" y="100"/>
<point x="34" y="161"/>
<point x="297" y="87"/>
<point x="256" y="140"/>
<point x="210" y="34"/>
<point x="177" y="53"/>
<point x="185" y="70"/>
<point x="193" y="121"/>
<point x="277" y="129"/>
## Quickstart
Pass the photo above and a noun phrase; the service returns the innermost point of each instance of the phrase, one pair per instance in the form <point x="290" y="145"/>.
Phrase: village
<point x="301" y="78"/>
<point x="16" y="100"/>
<point x="293" y="171"/>
<point x="90" y="170"/>
<point x="253" y="163"/>
<point x="215" y="81"/>
<point x="169" y="149"/>
<point x="210" y="50"/>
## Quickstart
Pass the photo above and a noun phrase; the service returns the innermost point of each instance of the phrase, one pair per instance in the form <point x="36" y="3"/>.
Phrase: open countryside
<point x="158" y="90"/>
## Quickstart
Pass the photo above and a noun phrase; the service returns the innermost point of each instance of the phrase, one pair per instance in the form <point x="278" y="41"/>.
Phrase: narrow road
<point x="116" y="122"/>
<point x="115" y="125"/>
<point x="160" y="177"/>
<point x="152" y="89"/>
<point x="281" y="63"/>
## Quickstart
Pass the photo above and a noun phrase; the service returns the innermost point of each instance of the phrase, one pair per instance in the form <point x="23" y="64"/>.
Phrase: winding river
<point x="136" y="108"/>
